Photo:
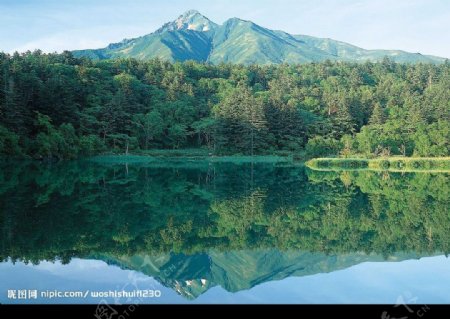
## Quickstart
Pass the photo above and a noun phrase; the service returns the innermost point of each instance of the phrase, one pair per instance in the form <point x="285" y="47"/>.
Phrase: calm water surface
<point x="202" y="232"/>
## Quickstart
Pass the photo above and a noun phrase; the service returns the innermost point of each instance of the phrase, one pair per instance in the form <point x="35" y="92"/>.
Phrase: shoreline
<point x="115" y="159"/>
<point x="391" y="164"/>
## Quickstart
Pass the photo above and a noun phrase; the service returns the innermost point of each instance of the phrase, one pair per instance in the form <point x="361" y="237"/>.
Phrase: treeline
<point x="57" y="106"/>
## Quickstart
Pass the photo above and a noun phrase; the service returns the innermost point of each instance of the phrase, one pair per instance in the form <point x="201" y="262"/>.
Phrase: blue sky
<point x="55" y="25"/>
<point x="423" y="281"/>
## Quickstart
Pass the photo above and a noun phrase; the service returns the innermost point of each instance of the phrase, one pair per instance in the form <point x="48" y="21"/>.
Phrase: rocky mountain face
<point x="194" y="37"/>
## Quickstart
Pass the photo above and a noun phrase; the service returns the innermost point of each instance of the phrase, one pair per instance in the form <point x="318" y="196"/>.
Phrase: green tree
<point x="9" y="143"/>
<point x="378" y="116"/>
<point x="150" y="128"/>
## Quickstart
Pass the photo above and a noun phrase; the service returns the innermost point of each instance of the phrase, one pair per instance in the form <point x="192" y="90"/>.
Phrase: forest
<point x="55" y="106"/>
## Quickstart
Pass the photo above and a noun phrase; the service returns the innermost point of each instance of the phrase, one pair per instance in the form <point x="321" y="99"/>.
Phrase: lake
<point x="184" y="231"/>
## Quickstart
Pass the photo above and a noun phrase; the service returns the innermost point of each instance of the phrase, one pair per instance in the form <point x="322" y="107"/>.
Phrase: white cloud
<point x="79" y="39"/>
<point x="59" y="43"/>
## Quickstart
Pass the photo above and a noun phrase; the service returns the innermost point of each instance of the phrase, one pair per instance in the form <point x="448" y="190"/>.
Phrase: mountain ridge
<point x="192" y="36"/>
<point x="193" y="275"/>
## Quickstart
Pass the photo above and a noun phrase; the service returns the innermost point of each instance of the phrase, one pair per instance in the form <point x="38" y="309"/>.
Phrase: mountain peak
<point x="190" y="13"/>
<point x="190" y="20"/>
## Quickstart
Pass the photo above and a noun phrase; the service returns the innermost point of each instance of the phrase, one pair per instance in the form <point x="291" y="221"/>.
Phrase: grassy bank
<point x="400" y="164"/>
<point x="180" y="157"/>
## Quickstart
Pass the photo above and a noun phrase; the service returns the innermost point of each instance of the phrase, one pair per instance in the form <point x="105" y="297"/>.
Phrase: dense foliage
<point x="57" y="106"/>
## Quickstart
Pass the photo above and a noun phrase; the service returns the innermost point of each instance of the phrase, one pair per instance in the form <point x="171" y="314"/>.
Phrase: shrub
<point x="91" y="144"/>
<point x="416" y="164"/>
<point x="400" y="164"/>
<point x="322" y="147"/>
<point x="384" y="164"/>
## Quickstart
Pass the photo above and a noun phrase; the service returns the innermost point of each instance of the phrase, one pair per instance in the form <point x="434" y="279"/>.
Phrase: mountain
<point x="194" y="37"/>
<point x="191" y="276"/>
